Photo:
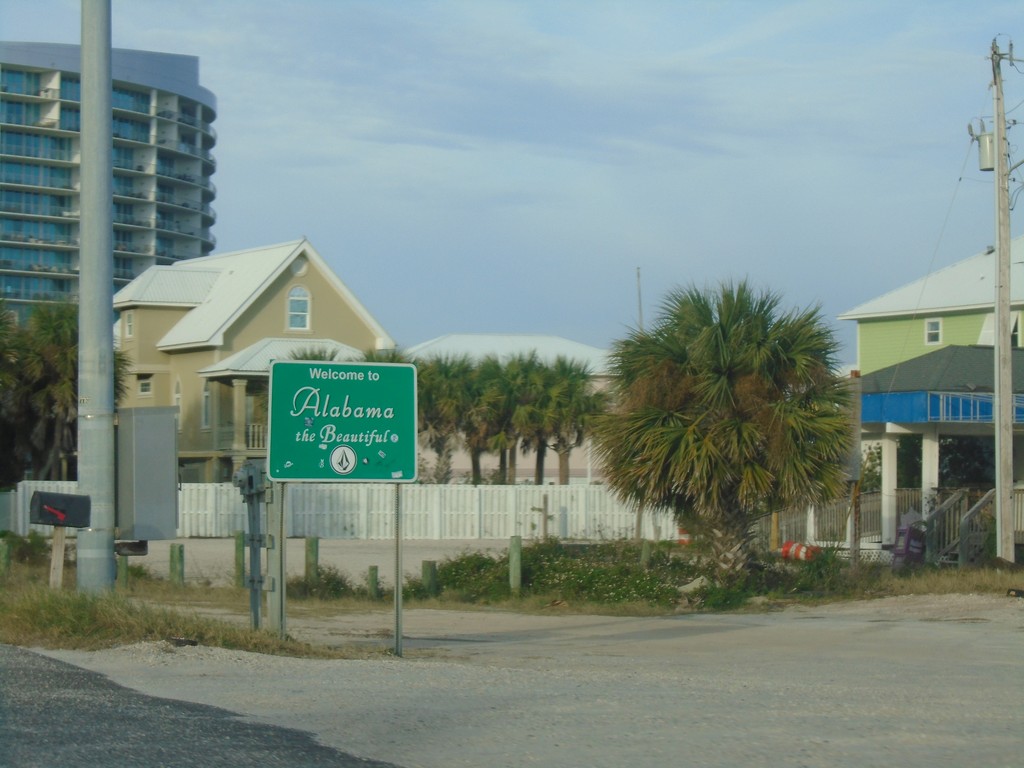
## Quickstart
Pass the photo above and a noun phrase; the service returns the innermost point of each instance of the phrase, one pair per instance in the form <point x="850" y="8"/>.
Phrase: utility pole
<point x="96" y="569"/>
<point x="1003" y="412"/>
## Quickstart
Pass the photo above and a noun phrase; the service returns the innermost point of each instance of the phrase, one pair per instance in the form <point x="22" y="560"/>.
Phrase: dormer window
<point x="298" y="309"/>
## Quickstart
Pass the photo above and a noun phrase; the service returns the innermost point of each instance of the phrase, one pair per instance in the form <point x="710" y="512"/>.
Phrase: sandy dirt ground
<point x="909" y="681"/>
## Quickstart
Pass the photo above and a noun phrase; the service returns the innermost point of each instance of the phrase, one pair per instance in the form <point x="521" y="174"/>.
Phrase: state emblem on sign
<point x="343" y="459"/>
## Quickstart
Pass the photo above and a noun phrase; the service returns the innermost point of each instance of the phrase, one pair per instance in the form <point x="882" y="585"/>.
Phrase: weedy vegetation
<point x="610" y="578"/>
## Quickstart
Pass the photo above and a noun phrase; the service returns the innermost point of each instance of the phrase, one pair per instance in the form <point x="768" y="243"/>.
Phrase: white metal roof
<point x="220" y="288"/>
<point x="167" y="285"/>
<point x="968" y="284"/>
<point x="479" y="345"/>
<point x="256" y="358"/>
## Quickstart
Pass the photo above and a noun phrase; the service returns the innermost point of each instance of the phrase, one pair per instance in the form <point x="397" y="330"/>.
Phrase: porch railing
<point x="256" y="436"/>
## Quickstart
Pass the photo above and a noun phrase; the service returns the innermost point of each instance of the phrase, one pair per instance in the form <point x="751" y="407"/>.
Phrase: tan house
<point x="200" y="335"/>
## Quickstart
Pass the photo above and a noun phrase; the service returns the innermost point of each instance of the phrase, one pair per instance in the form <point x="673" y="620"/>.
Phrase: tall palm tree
<point x="536" y="416"/>
<point x="443" y="398"/>
<point x="513" y="404"/>
<point x="726" y="409"/>
<point x="573" y="405"/>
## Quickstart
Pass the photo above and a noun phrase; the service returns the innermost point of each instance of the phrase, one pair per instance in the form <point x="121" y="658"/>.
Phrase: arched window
<point x="298" y="309"/>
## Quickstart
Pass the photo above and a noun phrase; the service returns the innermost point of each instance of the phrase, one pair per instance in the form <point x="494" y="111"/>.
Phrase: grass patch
<point x="936" y="581"/>
<point x="36" y="616"/>
<point x="618" y="578"/>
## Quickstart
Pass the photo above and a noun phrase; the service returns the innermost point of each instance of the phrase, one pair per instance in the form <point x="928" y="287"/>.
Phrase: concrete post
<point x="929" y="466"/>
<point x="238" y="441"/>
<point x="177" y="565"/>
<point x="312" y="560"/>
<point x="96" y="292"/>
<point x="429" y="573"/>
<point x="515" y="565"/>
<point x="889" y="513"/>
<point x="373" y="583"/>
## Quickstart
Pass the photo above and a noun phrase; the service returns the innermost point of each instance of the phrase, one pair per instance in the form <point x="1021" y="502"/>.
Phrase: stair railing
<point x="972" y="531"/>
<point x="942" y="527"/>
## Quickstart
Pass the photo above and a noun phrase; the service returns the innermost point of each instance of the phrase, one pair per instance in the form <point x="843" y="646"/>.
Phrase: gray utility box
<point x="147" y="473"/>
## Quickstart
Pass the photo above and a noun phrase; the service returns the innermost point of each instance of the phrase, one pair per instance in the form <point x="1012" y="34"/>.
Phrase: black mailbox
<point x="68" y="510"/>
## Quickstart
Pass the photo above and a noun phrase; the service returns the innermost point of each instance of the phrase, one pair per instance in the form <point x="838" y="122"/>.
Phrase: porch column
<point x="929" y="466"/>
<point x="889" y="512"/>
<point x="238" y="442"/>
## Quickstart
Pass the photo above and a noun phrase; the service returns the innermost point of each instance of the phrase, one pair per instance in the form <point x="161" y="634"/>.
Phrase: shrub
<point x="330" y="584"/>
<point x="33" y="549"/>
<point x="474" y="576"/>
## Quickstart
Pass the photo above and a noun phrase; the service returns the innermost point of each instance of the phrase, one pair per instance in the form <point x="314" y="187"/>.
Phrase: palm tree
<point x="573" y="404"/>
<point x="491" y="419"/>
<point x="48" y="391"/>
<point x="443" y="397"/>
<point x="393" y="355"/>
<point x="315" y="353"/>
<point x="533" y="416"/>
<point x="726" y="409"/>
<point x="42" y="400"/>
<point x="10" y="461"/>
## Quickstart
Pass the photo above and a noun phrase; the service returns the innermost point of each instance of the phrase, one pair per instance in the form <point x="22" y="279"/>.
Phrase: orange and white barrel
<point x="794" y="550"/>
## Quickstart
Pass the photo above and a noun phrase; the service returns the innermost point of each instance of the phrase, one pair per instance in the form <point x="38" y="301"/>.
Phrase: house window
<point x="146" y="385"/>
<point x="205" y="413"/>
<point x="933" y="331"/>
<point x="1014" y="333"/>
<point x="298" y="309"/>
<point x="177" y="402"/>
<point x="129" y="324"/>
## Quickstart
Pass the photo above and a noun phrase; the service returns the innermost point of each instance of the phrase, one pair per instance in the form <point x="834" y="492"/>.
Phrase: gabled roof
<point x="256" y="358"/>
<point x="950" y="369"/>
<point x="220" y="288"/>
<point x="503" y="346"/>
<point x="184" y="287"/>
<point x="966" y="285"/>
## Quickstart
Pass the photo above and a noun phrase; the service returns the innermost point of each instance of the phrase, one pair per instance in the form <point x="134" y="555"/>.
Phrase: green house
<point x="926" y="360"/>
<point x="952" y="306"/>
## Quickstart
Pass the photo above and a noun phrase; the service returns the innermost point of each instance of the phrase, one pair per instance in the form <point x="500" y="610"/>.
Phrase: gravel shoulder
<point x="913" y="681"/>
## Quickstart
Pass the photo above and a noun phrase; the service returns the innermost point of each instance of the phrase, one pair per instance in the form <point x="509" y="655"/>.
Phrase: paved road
<point x="919" y="682"/>
<point x="54" y="714"/>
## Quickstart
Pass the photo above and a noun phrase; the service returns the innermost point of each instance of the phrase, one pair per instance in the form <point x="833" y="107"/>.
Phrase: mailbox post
<point x="251" y="482"/>
<point x="62" y="511"/>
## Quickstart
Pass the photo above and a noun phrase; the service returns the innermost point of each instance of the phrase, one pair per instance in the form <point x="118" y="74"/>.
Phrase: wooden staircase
<point x="956" y="531"/>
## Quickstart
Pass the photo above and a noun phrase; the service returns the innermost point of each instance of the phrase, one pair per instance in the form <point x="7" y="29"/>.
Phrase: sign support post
<point x="398" y="571"/>
<point x="276" y="542"/>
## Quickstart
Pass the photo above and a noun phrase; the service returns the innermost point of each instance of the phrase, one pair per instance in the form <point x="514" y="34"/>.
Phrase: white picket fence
<point x="429" y="512"/>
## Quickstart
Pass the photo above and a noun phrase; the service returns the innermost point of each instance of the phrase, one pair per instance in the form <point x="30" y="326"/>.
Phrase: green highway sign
<point x="345" y="422"/>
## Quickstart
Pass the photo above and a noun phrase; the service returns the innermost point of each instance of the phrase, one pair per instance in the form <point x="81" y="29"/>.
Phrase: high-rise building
<point x="162" y="156"/>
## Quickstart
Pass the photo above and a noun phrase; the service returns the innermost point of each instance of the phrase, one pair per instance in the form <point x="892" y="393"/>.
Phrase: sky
<point x="479" y="166"/>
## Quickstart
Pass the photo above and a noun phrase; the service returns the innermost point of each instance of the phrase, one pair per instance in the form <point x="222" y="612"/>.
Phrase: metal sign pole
<point x="398" y="571"/>
<point x="276" y="565"/>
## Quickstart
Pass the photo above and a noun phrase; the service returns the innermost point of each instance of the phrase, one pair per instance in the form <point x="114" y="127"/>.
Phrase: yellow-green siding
<point x="887" y="341"/>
